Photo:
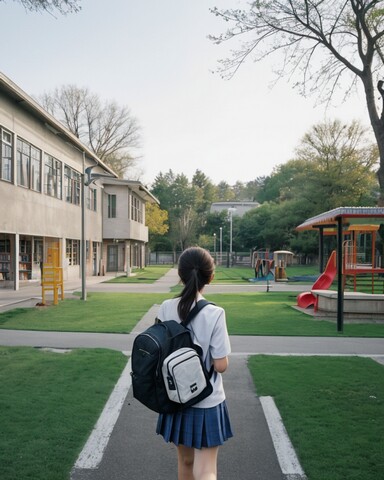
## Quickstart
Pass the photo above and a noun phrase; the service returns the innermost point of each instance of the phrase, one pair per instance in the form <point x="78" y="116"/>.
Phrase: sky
<point x="154" y="57"/>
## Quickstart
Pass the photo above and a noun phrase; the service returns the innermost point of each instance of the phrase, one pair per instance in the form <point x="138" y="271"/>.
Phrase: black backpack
<point x="149" y="350"/>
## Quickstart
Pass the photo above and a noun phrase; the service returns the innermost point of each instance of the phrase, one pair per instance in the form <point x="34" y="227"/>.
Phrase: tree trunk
<point x="377" y="126"/>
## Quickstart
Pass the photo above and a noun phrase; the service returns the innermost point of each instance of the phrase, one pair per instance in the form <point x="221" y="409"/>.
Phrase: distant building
<point x="239" y="207"/>
<point x="42" y="188"/>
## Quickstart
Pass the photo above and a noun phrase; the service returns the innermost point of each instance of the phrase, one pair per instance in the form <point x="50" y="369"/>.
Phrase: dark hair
<point x="196" y="267"/>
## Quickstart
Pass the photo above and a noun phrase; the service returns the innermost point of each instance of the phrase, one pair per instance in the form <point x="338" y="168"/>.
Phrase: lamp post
<point x="221" y="244"/>
<point x="87" y="178"/>
<point x="214" y="247"/>
<point x="230" y="211"/>
<point x="83" y="242"/>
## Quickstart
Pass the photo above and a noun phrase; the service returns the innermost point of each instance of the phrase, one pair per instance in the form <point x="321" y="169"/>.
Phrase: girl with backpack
<point x="198" y="431"/>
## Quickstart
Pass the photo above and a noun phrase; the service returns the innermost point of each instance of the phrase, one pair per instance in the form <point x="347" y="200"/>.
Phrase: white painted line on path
<point x="93" y="450"/>
<point x="286" y="455"/>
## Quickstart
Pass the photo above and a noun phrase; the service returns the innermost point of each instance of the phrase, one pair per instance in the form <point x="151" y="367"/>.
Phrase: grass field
<point x="256" y="313"/>
<point x="142" y="275"/>
<point x="333" y="410"/>
<point x="49" y="403"/>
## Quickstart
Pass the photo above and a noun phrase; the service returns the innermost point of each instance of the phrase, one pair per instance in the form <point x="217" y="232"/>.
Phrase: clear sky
<point x="154" y="56"/>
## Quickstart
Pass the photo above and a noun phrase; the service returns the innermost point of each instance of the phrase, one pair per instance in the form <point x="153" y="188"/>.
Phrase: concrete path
<point x="124" y="445"/>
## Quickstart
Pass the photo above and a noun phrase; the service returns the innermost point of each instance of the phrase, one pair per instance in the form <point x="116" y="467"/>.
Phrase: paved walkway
<point x="123" y="444"/>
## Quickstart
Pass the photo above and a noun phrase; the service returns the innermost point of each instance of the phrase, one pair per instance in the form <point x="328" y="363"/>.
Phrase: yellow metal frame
<point x="52" y="281"/>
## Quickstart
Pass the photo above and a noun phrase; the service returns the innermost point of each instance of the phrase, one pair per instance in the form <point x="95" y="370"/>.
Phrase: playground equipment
<point x="270" y="266"/>
<point x="325" y="280"/>
<point x="263" y="265"/>
<point x="282" y="258"/>
<point x="352" y="226"/>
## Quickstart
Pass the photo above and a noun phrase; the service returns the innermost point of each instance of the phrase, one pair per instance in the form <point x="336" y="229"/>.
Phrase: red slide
<point x="306" y="299"/>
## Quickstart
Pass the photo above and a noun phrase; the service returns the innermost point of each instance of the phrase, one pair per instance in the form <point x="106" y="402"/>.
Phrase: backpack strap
<point x="195" y="310"/>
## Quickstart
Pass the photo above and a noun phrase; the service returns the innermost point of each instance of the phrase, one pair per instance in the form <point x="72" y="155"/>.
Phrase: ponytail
<point x="196" y="268"/>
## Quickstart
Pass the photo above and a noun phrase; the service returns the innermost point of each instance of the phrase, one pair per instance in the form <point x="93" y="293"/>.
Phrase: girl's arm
<point x="220" y="364"/>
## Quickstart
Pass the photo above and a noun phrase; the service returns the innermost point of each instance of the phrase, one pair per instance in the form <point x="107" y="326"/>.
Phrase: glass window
<point x="72" y="185"/>
<point x="35" y="169"/>
<point x="23" y="160"/>
<point x="38" y="250"/>
<point x="111" y="206"/>
<point x="72" y="249"/>
<point x="91" y="199"/>
<point x="28" y="165"/>
<point x="6" y="156"/>
<point x="136" y="210"/>
<point x="52" y="177"/>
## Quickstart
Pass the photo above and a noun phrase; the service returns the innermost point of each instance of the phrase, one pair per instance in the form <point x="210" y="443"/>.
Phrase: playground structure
<point x="271" y="265"/>
<point x="325" y="280"/>
<point x="356" y="255"/>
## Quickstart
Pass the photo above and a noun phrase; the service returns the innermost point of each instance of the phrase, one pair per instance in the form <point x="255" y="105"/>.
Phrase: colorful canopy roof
<point x="351" y="215"/>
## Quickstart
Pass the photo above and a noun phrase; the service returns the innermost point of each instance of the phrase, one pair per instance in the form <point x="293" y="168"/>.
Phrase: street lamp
<point x="214" y="246"/>
<point x="221" y="244"/>
<point x="230" y="211"/>
<point x="87" y="178"/>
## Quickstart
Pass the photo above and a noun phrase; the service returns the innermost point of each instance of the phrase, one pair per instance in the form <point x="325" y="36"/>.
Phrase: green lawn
<point x="258" y="313"/>
<point x="333" y="410"/>
<point x="102" y="312"/>
<point x="142" y="275"/>
<point x="272" y="313"/>
<point x="242" y="275"/>
<point x="49" y="403"/>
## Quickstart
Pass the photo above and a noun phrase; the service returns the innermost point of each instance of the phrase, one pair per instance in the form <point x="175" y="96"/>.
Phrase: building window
<point x="72" y="183"/>
<point x="35" y="169"/>
<point x="52" y="177"/>
<point x="38" y="250"/>
<point x="28" y="165"/>
<point x="72" y="249"/>
<point x="136" y="210"/>
<point x="92" y="199"/>
<point x="6" y="156"/>
<point x="111" y="206"/>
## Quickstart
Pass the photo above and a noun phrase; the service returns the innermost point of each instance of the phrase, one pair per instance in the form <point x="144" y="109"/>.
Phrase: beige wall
<point x="122" y="227"/>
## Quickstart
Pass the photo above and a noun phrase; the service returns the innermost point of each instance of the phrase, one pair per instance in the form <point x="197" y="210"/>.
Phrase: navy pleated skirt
<point x="196" y="427"/>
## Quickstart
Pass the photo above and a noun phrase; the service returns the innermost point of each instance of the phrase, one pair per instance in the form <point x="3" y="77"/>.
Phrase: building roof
<point x="29" y="104"/>
<point x="351" y="215"/>
<point x="134" y="185"/>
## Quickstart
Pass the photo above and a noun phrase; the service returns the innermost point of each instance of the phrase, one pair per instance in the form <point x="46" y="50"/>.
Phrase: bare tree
<point x="323" y="43"/>
<point x="109" y="129"/>
<point x="61" y="6"/>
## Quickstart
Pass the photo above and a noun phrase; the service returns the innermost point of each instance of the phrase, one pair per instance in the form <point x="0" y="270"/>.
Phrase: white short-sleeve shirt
<point x="209" y="330"/>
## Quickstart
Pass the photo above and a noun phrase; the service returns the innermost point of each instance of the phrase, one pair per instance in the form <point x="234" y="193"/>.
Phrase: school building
<point x="58" y="200"/>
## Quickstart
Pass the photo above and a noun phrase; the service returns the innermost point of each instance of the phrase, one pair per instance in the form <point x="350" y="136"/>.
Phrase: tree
<point x="156" y="219"/>
<point x="108" y="129"/>
<point x="333" y="166"/>
<point x="339" y="163"/>
<point x="62" y="6"/>
<point x="178" y="196"/>
<point x="322" y="42"/>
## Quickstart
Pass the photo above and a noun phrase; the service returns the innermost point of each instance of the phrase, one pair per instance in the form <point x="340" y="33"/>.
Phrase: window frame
<point x="28" y="158"/>
<point x="112" y="211"/>
<point x="53" y="170"/>
<point x="6" y="144"/>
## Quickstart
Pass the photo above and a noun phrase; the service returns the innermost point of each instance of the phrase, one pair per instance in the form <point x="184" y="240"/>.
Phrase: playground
<point x="356" y="264"/>
<point x="271" y="265"/>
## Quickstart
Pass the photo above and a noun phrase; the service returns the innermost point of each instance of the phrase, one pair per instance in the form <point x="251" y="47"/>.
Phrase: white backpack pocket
<point x="183" y="375"/>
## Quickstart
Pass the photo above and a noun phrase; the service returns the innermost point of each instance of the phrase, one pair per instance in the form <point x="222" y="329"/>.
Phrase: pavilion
<point x="344" y="221"/>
